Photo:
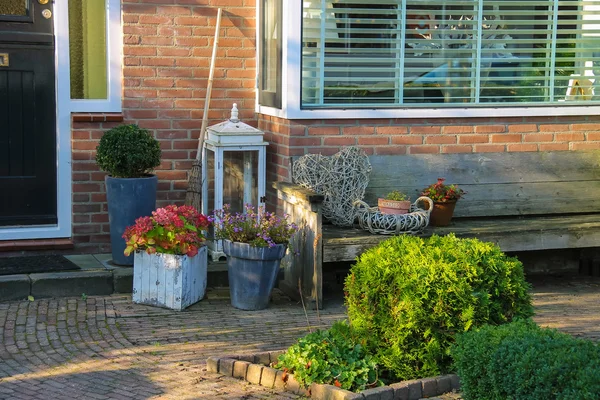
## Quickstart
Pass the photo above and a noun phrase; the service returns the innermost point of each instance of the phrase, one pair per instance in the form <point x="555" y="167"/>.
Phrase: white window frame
<point x="114" y="62"/>
<point x="292" y="75"/>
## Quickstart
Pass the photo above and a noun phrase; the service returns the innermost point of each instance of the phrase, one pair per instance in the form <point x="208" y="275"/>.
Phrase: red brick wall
<point x="433" y="136"/>
<point x="167" y="51"/>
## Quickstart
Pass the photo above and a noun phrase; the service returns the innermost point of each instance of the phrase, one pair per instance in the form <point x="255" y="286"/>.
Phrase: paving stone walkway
<point x="108" y="348"/>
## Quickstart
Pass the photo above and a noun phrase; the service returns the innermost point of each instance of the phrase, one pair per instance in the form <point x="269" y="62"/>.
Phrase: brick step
<point x="97" y="276"/>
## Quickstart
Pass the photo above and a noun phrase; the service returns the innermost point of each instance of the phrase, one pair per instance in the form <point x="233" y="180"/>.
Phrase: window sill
<point x="430" y="113"/>
<point x="97" y="117"/>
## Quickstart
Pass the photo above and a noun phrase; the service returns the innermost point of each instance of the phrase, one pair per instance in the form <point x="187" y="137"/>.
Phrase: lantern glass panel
<point x="240" y="179"/>
<point x="210" y="182"/>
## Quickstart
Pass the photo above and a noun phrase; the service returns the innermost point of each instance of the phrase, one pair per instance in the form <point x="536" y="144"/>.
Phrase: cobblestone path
<point x="108" y="348"/>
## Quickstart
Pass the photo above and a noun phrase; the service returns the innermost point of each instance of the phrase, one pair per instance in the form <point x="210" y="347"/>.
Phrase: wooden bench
<point x="521" y="201"/>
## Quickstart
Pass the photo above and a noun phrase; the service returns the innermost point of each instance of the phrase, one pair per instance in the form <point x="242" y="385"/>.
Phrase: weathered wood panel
<point x="498" y="184"/>
<point x="302" y="266"/>
<point x="167" y="280"/>
<point x="511" y="234"/>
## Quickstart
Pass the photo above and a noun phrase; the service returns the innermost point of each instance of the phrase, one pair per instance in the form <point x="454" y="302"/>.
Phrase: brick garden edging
<point x="254" y="368"/>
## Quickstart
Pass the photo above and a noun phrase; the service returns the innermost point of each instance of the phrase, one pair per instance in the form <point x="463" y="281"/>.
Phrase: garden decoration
<point x="170" y="263"/>
<point x="236" y="173"/>
<point x="341" y="178"/>
<point x="373" y="220"/>
<point x="395" y="202"/>
<point x="458" y="33"/>
<point x="254" y="242"/>
<point x="444" y="201"/>
<point x="128" y="153"/>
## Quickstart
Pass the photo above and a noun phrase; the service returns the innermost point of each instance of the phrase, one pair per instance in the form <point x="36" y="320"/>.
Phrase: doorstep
<point x="97" y="276"/>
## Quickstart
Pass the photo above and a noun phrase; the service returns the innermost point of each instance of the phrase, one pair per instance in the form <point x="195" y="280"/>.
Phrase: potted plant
<point x="254" y="242"/>
<point x="395" y="202"/>
<point x="128" y="153"/>
<point x="444" y="200"/>
<point x="170" y="263"/>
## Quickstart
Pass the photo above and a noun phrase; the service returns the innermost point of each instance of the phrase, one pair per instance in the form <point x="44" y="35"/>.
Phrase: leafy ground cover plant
<point x="408" y="298"/>
<point x="258" y="228"/>
<point x="334" y="356"/>
<point x="170" y="230"/>
<point x="523" y="361"/>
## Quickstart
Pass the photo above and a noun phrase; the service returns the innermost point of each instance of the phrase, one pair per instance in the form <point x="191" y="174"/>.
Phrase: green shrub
<point x="523" y="361"/>
<point x="128" y="151"/>
<point x="333" y="357"/>
<point x="408" y="297"/>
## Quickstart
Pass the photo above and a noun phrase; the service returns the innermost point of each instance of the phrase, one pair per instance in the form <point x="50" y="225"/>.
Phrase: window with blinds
<point x="357" y="53"/>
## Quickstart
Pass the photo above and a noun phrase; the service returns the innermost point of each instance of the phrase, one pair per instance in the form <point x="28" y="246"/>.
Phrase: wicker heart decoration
<point x="342" y="178"/>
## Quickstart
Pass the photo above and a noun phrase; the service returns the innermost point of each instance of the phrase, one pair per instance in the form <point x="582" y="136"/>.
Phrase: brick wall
<point x="167" y="51"/>
<point x="431" y="136"/>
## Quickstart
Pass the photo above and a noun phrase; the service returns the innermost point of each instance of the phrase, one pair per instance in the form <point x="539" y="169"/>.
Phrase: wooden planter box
<point x="167" y="280"/>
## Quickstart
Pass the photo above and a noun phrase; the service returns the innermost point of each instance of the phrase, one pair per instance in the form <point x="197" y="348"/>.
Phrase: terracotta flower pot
<point x="442" y="213"/>
<point x="393" y="206"/>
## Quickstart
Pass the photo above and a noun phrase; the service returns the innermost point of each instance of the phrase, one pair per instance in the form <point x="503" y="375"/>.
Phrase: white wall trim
<point x="114" y="57"/>
<point x="432" y="113"/>
<point x="63" y="140"/>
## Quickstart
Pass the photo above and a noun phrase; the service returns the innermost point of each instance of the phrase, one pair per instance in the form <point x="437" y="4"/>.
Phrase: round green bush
<point x="408" y="298"/>
<point x="332" y="356"/>
<point x="128" y="151"/>
<point x="523" y="361"/>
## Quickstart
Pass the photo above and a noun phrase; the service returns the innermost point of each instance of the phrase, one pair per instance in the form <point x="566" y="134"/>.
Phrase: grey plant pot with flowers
<point x="254" y="241"/>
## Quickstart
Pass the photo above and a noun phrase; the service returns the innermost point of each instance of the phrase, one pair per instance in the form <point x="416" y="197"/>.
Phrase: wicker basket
<point x="372" y="220"/>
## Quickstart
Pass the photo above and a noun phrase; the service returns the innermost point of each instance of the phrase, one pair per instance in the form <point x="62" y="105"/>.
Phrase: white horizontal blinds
<point x="441" y="54"/>
<point x="517" y="51"/>
<point x="451" y="52"/>
<point x="539" y="45"/>
<point x="351" y="52"/>
<point x="578" y="51"/>
<point x="591" y="43"/>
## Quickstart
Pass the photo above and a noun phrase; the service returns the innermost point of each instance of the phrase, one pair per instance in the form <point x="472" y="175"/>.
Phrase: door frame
<point x="63" y="139"/>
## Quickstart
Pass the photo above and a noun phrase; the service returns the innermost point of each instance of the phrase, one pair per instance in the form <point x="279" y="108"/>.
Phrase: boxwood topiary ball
<point x="128" y="151"/>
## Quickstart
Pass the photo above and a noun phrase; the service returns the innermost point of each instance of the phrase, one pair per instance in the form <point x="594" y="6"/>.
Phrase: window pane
<point x="270" y="54"/>
<point x="451" y="52"/>
<point x="87" y="47"/>
<point x="13" y="7"/>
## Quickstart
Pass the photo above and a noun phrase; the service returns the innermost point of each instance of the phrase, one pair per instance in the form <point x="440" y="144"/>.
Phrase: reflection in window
<point x="13" y="7"/>
<point x="269" y="93"/>
<point x="87" y="49"/>
<point x="453" y="52"/>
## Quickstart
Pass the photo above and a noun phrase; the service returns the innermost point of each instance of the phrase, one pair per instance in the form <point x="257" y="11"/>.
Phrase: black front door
<point x="27" y="113"/>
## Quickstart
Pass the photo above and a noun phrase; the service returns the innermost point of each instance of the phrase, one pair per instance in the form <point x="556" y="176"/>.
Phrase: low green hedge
<point x="408" y="297"/>
<point x="523" y="361"/>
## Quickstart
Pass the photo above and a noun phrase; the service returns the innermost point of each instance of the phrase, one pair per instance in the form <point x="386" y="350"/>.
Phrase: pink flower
<point x="171" y="230"/>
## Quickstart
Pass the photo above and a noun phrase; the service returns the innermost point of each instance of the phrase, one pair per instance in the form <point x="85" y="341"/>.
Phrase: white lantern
<point x="233" y="169"/>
